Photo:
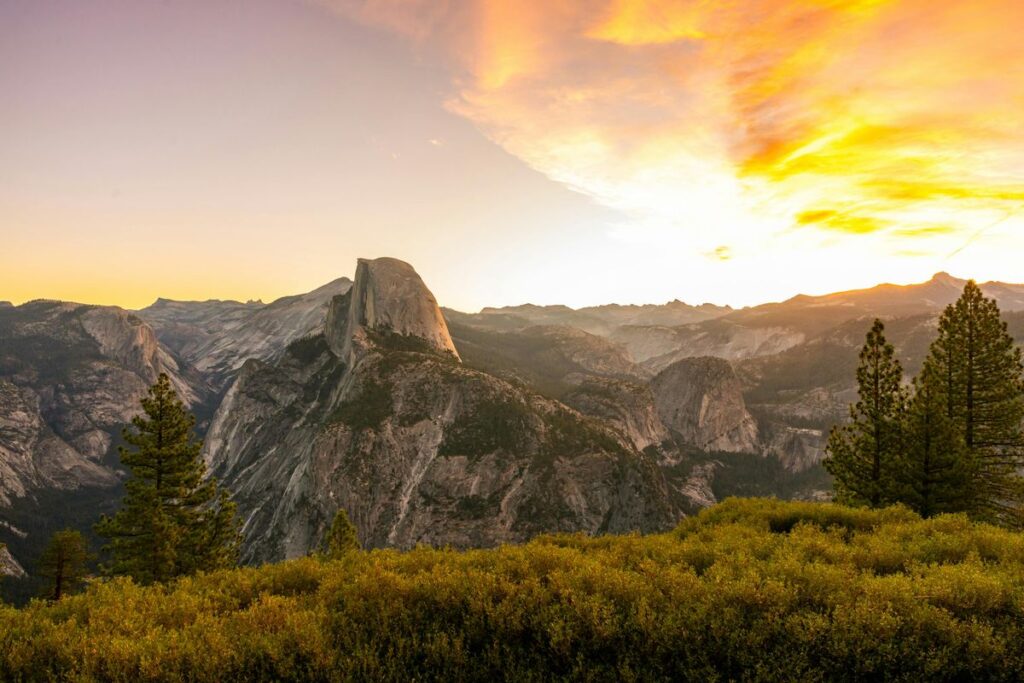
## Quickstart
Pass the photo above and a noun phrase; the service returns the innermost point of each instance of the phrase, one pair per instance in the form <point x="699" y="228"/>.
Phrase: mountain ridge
<point x="780" y="375"/>
<point x="376" y="415"/>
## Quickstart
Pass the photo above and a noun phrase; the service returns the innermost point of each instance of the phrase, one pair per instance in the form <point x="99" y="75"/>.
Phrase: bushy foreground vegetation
<point x="747" y="590"/>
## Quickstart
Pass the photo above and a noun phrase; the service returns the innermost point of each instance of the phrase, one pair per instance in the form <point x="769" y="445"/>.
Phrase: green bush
<point x="756" y="590"/>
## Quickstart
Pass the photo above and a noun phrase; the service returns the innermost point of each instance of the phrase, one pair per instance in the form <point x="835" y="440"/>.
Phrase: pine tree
<point x="173" y="521"/>
<point x="342" y="538"/>
<point x="63" y="563"/>
<point x="862" y="455"/>
<point x="936" y="472"/>
<point x="976" y="371"/>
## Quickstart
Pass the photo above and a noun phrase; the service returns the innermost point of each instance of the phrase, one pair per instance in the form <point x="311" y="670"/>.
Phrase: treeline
<point x="754" y="590"/>
<point x="949" y="441"/>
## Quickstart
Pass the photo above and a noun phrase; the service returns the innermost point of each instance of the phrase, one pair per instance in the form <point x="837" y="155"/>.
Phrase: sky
<point x="546" y="151"/>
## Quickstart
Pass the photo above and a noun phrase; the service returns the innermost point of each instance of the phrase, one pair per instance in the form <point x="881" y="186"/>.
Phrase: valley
<point x="434" y="426"/>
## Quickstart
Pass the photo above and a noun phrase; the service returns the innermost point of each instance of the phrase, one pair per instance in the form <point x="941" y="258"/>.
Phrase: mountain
<point x="355" y="395"/>
<point x="794" y="359"/>
<point x="701" y="400"/>
<point x="772" y="328"/>
<point x="71" y="376"/>
<point x="902" y="300"/>
<point x="216" y="337"/>
<point x="388" y="297"/>
<point x="657" y="336"/>
<point x="798" y="394"/>
<point x="441" y="427"/>
<point x="377" y="415"/>
<point x="552" y="359"/>
<point x="599" y="320"/>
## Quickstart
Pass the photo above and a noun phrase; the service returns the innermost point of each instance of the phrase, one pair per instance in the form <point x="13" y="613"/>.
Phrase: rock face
<point x="388" y="297"/>
<point x="34" y="458"/>
<point x="701" y="400"/>
<point x="629" y="407"/>
<point x="71" y="376"/>
<point x="216" y="337"/>
<point x="8" y="565"/>
<point x="798" y="448"/>
<point x="377" y="416"/>
<point x="592" y="354"/>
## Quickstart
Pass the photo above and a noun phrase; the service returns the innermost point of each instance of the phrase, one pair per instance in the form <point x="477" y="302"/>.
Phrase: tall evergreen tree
<point x="862" y="455"/>
<point x="173" y="521"/>
<point x="63" y="563"/>
<point x="936" y="472"/>
<point x="976" y="371"/>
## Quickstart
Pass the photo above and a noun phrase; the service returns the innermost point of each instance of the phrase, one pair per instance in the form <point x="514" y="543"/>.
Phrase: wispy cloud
<point x="894" y="124"/>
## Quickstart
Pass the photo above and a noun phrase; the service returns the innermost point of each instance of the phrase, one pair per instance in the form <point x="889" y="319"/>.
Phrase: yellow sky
<point x="878" y="135"/>
<point x="513" y="150"/>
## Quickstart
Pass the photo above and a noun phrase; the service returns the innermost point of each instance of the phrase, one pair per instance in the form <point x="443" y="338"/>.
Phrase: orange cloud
<point x="736" y="121"/>
<point x="640" y="22"/>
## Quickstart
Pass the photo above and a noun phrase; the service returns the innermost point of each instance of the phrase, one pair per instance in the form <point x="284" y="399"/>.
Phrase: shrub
<point x="747" y="590"/>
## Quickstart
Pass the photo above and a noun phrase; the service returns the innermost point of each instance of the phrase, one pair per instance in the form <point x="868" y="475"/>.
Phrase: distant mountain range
<point x="216" y="337"/>
<point x="432" y="425"/>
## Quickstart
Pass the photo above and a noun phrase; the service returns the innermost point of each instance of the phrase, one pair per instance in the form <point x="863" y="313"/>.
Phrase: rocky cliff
<point x="388" y="297"/>
<point x="377" y="416"/>
<point x="71" y="376"/>
<point x="34" y="458"/>
<point x="8" y="565"/>
<point x="464" y="429"/>
<point x="216" y="337"/>
<point x="701" y="400"/>
<point x="629" y="407"/>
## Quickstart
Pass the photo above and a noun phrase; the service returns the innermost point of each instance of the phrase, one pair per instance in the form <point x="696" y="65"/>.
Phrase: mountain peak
<point x="942" y="277"/>
<point x="387" y="295"/>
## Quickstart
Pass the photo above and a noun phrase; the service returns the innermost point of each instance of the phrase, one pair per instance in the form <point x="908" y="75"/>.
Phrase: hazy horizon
<point x="572" y="153"/>
<point x="442" y="304"/>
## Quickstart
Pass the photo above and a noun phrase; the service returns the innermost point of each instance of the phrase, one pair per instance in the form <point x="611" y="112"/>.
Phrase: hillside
<point x="71" y="376"/>
<point x="377" y="415"/>
<point x="470" y="429"/>
<point x="747" y="590"/>
<point x="218" y="336"/>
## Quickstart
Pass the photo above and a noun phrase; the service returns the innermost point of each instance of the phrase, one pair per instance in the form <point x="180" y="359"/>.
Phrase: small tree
<point x="342" y="537"/>
<point x="63" y="563"/>
<point x="173" y="521"/>
<point x="862" y="455"/>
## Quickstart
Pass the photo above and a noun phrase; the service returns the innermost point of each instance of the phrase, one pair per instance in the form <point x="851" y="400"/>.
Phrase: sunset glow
<point x="889" y="129"/>
<point x="801" y="145"/>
